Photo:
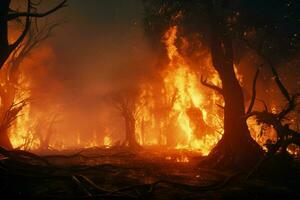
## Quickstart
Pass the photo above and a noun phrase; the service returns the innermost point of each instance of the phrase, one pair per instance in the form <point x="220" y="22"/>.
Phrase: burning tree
<point x="39" y="129"/>
<point x="125" y="101"/>
<point x="15" y="53"/>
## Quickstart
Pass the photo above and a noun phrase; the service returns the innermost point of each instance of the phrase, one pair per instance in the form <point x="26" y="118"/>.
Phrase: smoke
<point x="98" y="48"/>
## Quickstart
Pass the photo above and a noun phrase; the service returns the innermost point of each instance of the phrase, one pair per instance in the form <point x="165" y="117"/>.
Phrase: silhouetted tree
<point x="125" y="101"/>
<point x="8" y="14"/>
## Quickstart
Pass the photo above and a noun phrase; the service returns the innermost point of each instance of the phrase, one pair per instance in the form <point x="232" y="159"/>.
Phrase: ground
<point x="118" y="173"/>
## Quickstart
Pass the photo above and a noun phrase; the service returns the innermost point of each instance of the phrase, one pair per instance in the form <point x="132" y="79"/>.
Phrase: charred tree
<point x="45" y="136"/>
<point x="125" y="102"/>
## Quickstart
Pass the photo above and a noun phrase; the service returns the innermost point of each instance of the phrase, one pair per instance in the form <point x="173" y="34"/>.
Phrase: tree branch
<point x="280" y="85"/>
<point x="253" y="91"/>
<point x="213" y="87"/>
<point x="264" y="104"/>
<point x="15" y="15"/>
<point x="291" y="99"/>
<point x="35" y="37"/>
<point x="26" y="29"/>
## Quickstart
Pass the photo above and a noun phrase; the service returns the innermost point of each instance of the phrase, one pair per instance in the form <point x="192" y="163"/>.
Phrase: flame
<point x="182" y="158"/>
<point x="107" y="142"/>
<point x="184" y="105"/>
<point x="180" y="78"/>
<point x="21" y="133"/>
<point x="179" y="113"/>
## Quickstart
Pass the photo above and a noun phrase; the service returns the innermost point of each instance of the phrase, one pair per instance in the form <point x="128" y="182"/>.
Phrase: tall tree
<point x="236" y="148"/>
<point x="125" y="101"/>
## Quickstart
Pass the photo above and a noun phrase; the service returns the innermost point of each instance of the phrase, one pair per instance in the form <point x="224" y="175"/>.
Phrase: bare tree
<point x="125" y="101"/>
<point x="37" y="34"/>
<point x="49" y="130"/>
<point x="8" y="14"/>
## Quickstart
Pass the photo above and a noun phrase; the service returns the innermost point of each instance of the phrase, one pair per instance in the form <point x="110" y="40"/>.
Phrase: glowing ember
<point x="182" y="159"/>
<point x="107" y="141"/>
<point x="168" y="158"/>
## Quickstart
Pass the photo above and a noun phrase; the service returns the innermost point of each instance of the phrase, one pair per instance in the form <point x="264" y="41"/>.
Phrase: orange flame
<point x="192" y="107"/>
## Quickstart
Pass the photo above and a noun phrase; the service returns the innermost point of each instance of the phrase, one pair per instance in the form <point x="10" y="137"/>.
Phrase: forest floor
<point x="118" y="173"/>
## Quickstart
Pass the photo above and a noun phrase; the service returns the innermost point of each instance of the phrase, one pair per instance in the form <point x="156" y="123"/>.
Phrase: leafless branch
<point x="214" y="87"/>
<point x="264" y="104"/>
<point x="25" y="31"/>
<point x="13" y="15"/>
<point x="11" y="114"/>
<point x="253" y="91"/>
<point x="35" y="37"/>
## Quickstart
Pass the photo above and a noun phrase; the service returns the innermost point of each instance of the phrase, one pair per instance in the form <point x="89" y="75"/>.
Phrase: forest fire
<point x="192" y="114"/>
<point x="198" y="121"/>
<point x="190" y="111"/>
<point x="185" y="116"/>
<point x="149" y="99"/>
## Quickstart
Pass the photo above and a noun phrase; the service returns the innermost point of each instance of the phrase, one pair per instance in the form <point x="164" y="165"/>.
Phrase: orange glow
<point x="21" y="133"/>
<point x="181" y="79"/>
<point x="107" y="142"/>
<point x="182" y="159"/>
<point x="192" y="111"/>
<point x="176" y="113"/>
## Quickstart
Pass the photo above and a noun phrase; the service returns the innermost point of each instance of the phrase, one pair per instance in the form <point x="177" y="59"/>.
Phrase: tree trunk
<point x="4" y="54"/>
<point x="236" y="149"/>
<point x="4" y="45"/>
<point x="130" y="139"/>
<point x="7" y="93"/>
<point x="4" y="140"/>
